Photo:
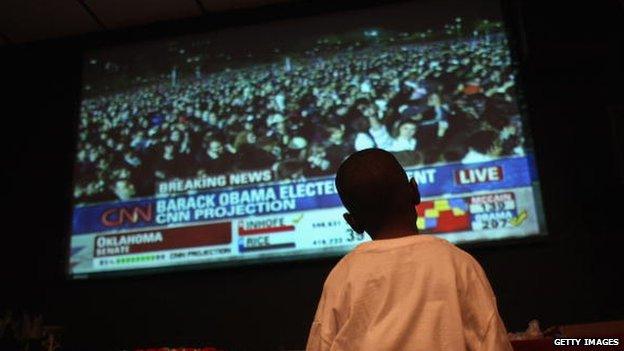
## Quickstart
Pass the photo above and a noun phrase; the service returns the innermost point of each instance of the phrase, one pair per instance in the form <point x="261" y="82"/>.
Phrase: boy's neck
<point x="393" y="233"/>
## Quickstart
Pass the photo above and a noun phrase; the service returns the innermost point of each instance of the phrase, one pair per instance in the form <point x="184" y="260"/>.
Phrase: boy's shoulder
<point x="426" y="248"/>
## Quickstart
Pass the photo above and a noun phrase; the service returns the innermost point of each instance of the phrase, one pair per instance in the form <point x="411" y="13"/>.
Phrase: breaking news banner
<point x="491" y="200"/>
<point x="279" y="197"/>
<point x="189" y="185"/>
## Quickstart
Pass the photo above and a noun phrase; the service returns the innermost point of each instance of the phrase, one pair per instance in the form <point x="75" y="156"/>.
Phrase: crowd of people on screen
<point x="428" y="103"/>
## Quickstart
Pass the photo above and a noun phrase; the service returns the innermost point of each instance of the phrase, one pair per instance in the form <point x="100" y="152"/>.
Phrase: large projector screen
<point x="221" y="148"/>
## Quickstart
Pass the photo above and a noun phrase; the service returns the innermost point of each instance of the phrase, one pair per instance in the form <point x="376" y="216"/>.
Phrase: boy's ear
<point x="415" y="192"/>
<point x="353" y="223"/>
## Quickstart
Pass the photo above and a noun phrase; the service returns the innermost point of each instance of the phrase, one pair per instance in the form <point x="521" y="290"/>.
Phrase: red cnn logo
<point x="117" y="216"/>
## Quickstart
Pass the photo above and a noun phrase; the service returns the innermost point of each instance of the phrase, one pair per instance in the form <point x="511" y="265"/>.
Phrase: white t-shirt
<point x="476" y="157"/>
<point x="385" y="141"/>
<point x="412" y="293"/>
<point x="363" y="141"/>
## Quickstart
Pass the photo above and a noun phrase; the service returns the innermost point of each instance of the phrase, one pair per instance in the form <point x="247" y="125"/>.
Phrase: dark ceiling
<point x="30" y="20"/>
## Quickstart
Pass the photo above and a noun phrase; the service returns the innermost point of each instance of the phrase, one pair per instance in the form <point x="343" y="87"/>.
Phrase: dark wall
<point x="571" y="62"/>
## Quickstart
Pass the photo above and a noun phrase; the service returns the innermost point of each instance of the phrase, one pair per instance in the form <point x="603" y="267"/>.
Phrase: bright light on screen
<point x="222" y="147"/>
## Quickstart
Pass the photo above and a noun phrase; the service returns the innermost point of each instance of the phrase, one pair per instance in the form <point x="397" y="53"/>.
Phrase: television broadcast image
<point x="222" y="147"/>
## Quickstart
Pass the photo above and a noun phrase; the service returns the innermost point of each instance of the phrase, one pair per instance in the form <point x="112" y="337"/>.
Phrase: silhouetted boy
<point x="401" y="291"/>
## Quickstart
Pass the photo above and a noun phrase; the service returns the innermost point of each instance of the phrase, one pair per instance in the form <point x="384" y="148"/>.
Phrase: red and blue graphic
<point x="441" y="216"/>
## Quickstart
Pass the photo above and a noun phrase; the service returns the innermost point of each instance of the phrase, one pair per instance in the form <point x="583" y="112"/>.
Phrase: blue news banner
<point x="282" y="197"/>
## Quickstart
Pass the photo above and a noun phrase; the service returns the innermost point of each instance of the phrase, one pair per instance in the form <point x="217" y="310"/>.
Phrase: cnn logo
<point x="117" y="216"/>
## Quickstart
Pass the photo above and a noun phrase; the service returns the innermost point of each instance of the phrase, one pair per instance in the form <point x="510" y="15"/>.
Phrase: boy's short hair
<point x="372" y="182"/>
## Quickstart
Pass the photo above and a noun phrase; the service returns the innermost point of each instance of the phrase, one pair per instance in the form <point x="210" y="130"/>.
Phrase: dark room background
<point x="570" y="56"/>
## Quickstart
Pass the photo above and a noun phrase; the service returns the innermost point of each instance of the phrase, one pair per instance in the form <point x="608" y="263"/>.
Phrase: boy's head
<point x="375" y="190"/>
